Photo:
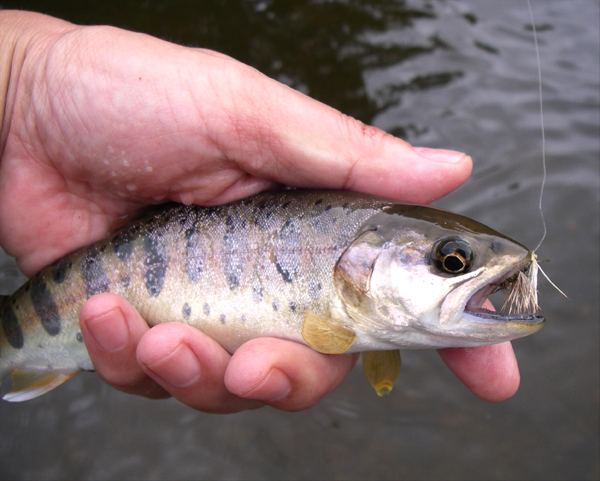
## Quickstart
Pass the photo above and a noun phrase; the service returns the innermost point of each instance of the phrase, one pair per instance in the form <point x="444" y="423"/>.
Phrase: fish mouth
<point x="510" y="280"/>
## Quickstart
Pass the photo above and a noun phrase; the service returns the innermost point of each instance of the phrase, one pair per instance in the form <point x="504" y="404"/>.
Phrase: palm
<point x="99" y="151"/>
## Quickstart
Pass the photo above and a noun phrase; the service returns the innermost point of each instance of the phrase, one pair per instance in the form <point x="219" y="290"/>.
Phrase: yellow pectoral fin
<point x="29" y="384"/>
<point x="382" y="369"/>
<point x="324" y="336"/>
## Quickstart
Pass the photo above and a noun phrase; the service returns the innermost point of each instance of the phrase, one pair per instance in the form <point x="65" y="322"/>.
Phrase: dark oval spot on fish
<point x="122" y="246"/>
<point x="79" y="337"/>
<point x="232" y="254"/>
<point x="223" y="319"/>
<point x="195" y="255"/>
<point x="92" y="271"/>
<point x="12" y="328"/>
<point x="285" y="274"/>
<point x="186" y="311"/>
<point x="287" y="250"/>
<point x="45" y="307"/>
<point x="156" y="266"/>
<point x="59" y="272"/>
<point x="314" y="289"/>
<point x="257" y="294"/>
<point x="206" y="309"/>
<point x="262" y="214"/>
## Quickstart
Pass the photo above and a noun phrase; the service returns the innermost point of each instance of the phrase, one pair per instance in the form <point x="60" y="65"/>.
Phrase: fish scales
<point x="198" y="266"/>
<point x="270" y="265"/>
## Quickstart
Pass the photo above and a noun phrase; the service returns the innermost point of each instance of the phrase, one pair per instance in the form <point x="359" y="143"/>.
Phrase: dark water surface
<point x="459" y="75"/>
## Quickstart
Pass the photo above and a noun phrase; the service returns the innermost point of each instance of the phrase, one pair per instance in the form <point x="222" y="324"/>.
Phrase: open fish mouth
<point x="520" y="284"/>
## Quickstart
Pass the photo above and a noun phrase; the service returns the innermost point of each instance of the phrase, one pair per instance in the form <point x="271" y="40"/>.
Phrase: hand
<point x="99" y="122"/>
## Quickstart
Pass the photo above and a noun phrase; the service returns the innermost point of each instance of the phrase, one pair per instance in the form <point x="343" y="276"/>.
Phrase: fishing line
<point x="535" y="267"/>
<point x="539" y="64"/>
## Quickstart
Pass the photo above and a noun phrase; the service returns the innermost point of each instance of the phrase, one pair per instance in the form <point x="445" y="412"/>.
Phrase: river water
<point x="453" y="74"/>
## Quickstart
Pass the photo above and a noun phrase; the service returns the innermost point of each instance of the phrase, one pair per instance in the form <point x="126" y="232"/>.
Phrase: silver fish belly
<point x="338" y="271"/>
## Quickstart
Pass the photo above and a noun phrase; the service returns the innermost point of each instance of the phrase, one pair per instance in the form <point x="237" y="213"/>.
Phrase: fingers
<point x="285" y="374"/>
<point x="490" y="372"/>
<point x="175" y="359"/>
<point x="112" y="329"/>
<point x="191" y="367"/>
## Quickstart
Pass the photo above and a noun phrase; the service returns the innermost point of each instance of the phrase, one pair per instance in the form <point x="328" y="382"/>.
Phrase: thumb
<point x="290" y="138"/>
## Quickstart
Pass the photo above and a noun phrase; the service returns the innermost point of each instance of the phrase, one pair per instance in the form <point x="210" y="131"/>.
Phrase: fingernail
<point x="181" y="368"/>
<point x="110" y="330"/>
<point x="441" y="155"/>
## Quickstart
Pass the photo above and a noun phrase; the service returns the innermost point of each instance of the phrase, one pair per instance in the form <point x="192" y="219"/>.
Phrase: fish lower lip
<point x="475" y="307"/>
<point x="493" y="315"/>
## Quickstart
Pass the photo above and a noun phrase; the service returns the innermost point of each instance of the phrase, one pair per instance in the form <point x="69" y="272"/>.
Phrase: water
<point x="459" y="75"/>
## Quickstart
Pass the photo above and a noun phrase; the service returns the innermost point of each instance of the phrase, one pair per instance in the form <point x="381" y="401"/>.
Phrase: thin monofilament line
<point x="537" y="53"/>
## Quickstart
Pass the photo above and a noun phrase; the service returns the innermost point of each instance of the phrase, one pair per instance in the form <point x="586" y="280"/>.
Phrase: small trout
<point x="337" y="271"/>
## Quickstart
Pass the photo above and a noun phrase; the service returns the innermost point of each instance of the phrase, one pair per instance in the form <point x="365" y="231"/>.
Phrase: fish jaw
<point x="462" y="314"/>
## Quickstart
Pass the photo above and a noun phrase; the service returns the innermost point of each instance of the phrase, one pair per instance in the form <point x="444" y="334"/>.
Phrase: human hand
<point x="99" y="122"/>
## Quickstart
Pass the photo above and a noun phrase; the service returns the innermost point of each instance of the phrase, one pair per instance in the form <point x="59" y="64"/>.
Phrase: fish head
<point x="418" y="276"/>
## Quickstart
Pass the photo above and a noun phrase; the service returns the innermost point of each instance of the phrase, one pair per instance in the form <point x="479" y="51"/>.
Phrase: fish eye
<point x="452" y="255"/>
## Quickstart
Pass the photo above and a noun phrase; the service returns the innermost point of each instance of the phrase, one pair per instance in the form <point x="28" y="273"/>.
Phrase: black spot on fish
<point x="287" y="249"/>
<point x="263" y="213"/>
<point x="328" y="208"/>
<point x="243" y="319"/>
<point x="79" y="337"/>
<point x="286" y="204"/>
<point x="293" y="306"/>
<point x="223" y="319"/>
<point x="45" y="307"/>
<point x="186" y="311"/>
<point x="92" y="271"/>
<point x="314" y="289"/>
<point x="155" y="265"/>
<point x="12" y="328"/>
<point x="257" y="294"/>
<point x="125" y="280"/>
<point x="275" y="306"/>
<point x="345" y="206"/>
<point x="319" y="202"/>
<point x="206" y="309"/>
<point x="122" y="246"/>
<point x="60" y="271"/>
<point x="195" y="255"/>
<point x="285" y="274"/>
<point x="102" y="248"/>
<point x="232" y="254"/>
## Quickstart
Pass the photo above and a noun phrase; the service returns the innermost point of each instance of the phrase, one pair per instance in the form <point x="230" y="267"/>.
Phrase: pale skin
<point x="98" y="122"/>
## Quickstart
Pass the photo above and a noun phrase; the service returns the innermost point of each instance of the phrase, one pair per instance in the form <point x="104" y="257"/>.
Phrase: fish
<point x="339" y="271"/>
